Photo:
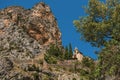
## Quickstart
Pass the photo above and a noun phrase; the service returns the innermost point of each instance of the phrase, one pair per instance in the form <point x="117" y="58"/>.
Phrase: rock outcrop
<point x="5" y="66"/>
<point x="24" y="34"/>
<point x="27" y="32"/>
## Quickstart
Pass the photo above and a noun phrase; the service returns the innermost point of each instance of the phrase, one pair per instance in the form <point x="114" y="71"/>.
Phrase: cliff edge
<point x="25" y="34"/>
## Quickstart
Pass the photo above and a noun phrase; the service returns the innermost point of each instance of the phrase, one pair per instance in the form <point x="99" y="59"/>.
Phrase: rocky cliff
<point x="27" y="31"/>
<point x="25" y="34"/>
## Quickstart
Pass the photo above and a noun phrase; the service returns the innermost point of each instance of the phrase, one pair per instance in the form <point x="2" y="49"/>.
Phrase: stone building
<point x="77" y="54"/>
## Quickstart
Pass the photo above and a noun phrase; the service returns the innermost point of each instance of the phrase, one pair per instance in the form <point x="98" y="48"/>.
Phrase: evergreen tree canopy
<point x="66" y="56"/>
<point x="70" y="51"/>
<point x="102" y="23"/>
<point x="101" y="27"/>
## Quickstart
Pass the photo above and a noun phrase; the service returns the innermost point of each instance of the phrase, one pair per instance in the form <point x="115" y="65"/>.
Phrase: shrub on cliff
<point x="53" y="54"/>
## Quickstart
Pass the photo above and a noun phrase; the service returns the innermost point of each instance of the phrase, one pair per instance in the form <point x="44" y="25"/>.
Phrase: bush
<point x="50" y="59"/>
<point x="33" y="68"/>
<point x="40" y="61"/>
<point x="35" y="76"/>
<point x="55" y="51"/>
<point x="53" y="54"/>
<point x="89" y="63"/>
<point x="74" y="79"/>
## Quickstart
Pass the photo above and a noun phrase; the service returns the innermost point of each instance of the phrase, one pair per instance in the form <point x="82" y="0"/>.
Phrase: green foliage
<point x="88" y="69"/>
<point x="50" y="59"/>
<point x="74" y="79"/>
<point x="68" y="52"/>
<point x="54" y="50"/>
<point x="53" y="54"/>
<point x="66" y="56"/>
<point x="36" y="76"/>
<point x="88" y="62"/>
<point x="101" y="27"/>
<point x="110" y="58"/>
<point x="101" y="24"/>
<point x="50" y="69"/>
<point x="33" y="68"/>
<point x="40" y="61"/>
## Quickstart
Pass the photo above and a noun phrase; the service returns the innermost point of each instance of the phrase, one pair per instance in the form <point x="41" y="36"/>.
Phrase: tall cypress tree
<point x="70" y="51"/>
<point x="66" y="53"/>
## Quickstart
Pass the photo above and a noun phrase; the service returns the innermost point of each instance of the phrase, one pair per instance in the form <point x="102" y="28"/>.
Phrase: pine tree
<point x="70" y="51"/>
<point x="66" y="53"/>
<point x="101" y="27"/>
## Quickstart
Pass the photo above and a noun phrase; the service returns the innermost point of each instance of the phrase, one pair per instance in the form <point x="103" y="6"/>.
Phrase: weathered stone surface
<point x="24" y="34"/>
<point x="68" y="77"/>
<point x="5" y="66"/>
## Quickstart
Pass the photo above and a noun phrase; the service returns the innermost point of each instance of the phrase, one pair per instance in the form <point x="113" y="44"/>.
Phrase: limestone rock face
<point x="42" y="25"/>
<point x="69" y="77"/>
<point x="5" y="66"/>
<point x="24" y="34"/>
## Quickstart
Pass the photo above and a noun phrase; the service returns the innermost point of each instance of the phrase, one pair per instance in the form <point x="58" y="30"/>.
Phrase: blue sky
<point x="65" y="11"/>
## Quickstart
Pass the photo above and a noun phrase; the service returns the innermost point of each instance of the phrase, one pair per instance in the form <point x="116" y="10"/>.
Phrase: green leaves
<point x="101" y="27"/>
<point x="68" y="52"/>
<point x="53" y="54"/>
<point x="100" y="24"/>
